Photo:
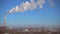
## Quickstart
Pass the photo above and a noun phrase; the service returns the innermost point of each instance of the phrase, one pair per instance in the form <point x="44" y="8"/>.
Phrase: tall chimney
<point x="4" y="21"/>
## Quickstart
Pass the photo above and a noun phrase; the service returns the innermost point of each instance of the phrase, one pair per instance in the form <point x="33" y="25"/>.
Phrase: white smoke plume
<point x="29" y="6"/>
<point x="40" y="3"/>
<point x="51" y="3"/>
<point x="24" y="6"/>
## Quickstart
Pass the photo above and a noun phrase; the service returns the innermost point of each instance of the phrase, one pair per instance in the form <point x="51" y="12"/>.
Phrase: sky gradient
<point x="37" y="17"/>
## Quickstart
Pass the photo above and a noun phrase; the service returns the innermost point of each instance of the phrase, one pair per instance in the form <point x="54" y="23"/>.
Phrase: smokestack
<point x="4" y="21"/>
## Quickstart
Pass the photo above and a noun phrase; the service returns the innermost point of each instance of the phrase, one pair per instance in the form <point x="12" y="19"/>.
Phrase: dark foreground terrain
<point x="42" y="30"/>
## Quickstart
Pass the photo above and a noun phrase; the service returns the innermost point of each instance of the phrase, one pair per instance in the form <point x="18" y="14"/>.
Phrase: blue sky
<point x="37" y="17"/>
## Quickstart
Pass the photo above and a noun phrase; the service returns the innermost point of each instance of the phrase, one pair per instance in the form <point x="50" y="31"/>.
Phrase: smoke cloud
<point x="40" y="3"/>
<point x="29" y="6"/>
<point x="51" y="3"/>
